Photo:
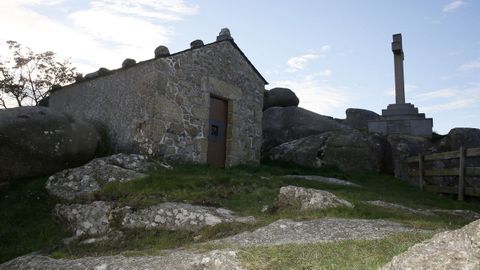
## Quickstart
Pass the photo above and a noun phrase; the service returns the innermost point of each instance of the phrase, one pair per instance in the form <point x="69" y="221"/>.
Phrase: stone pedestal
<point x="402" y="119"/>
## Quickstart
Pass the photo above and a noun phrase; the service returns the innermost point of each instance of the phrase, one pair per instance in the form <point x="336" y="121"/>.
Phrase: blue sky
<point x="334" y="54"/>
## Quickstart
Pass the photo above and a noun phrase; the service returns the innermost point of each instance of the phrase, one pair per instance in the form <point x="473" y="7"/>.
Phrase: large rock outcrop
<point x="355" y="151"/>
<point x="307" y="152"/>
<point x="36" y="141"/>
<point x="402" y="147"/>
<point x="284" y="124"/>
<point x="348" y="150"/>
<point x="358" y="118"/>
<point x="324" y="230"/>
<point x="458" y="249"/>
<point x="101" y="219"/>
<point x="458" y="137"/>
<point x="176" y="259"/>
<point x="82" y="181"/>
<point x="180" y="216"/>
<point x="279" y="97"/>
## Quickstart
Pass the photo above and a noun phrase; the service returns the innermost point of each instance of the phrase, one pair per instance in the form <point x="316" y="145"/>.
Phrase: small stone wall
<point x="160" y="107"/>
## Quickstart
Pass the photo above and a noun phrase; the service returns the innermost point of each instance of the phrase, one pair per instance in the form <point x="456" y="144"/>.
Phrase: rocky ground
<point x="452" y="250"/>
<point x="217" y="259"/>
<point x="278" y="233"/>
<point x="283" y="232"/>
<point x="296" y="209"/>
<point x="91" y="221"/>
<point x="458" y="249"/>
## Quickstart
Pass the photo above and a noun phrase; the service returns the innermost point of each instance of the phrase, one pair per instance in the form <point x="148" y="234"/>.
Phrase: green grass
<point x="26" y="223"/>
<point x="352" y="254"/>
<point x="25" y="219"/>
<point x="138" y="242"/>
<point x="247" y="189"/>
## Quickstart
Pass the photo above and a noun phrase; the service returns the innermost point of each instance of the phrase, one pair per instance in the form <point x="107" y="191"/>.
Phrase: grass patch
<point x="26" y="224"/>
<point x="352" y="254"/>
<point x="144" y="242"/>
<point x="247" y="189"/>
<point x="138" y="242"/>
<point x="25" y="219"/>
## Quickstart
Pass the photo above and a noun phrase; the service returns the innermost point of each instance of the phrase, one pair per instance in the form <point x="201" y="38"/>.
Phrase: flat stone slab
<point x="217" y="259"/>
<point x="180" y="216"/>
<point x="95" y="219"/>
<point x="325" y="230"/>
<point x="400" y="207"/>
<point x="464" y="214"/>
<point x="84" y="180"/>
<point x="322" y="179"/>
<point x="308" y="199"/>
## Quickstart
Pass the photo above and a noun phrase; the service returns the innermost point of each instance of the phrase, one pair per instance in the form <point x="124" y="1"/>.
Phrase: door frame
<point x="227" y="129"/>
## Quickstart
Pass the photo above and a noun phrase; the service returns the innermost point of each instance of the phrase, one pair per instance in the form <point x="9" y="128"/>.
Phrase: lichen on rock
<point x="308" y="199"/>
<point x="85" y="219"/>
<point x="458" y="249"/>
<point x="91" y="177"/>
<point x="180" y="216"/>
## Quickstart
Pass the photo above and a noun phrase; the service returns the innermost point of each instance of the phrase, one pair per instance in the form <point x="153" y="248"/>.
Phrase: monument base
<point x="402" y="119"/>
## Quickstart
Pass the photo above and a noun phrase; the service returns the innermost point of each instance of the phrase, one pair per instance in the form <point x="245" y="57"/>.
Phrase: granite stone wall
<point x="160" y="107"/>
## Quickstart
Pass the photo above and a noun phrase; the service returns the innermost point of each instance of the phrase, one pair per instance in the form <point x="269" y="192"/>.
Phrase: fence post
<point x="461" y="174"/>
<point x="420" y="171"/>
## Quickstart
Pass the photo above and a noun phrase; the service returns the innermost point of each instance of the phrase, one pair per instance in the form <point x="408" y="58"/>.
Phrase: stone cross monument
<point x="401" y="118"/>
<point x="398" y="60"/>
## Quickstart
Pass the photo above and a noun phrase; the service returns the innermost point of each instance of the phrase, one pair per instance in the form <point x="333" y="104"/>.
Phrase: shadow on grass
<point x="26" y="224"/>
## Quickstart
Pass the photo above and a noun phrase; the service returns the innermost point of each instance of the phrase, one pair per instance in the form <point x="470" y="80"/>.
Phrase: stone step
<point x="400" y="109"/>
<point x="403" y="116"/>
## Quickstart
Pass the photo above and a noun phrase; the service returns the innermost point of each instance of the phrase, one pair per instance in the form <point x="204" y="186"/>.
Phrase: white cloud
<point x="325" y="48"/>
<point x="169" y="10"/>
<point x="450" y="105"/>
<point x="315" y="95"/>
<point x="470" y="65"/>
<point x="39" y="2"/>
<point x="443" y="99"/>
<point x="450" y="7"/>
<point x="101" y="34"/>
<point x="120" y="30"/>
<point x="299" y="62"/>
<point x="451" y="99"/>
<point x="442" y="93"/>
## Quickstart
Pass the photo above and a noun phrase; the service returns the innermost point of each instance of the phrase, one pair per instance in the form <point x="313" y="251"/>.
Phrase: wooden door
<point x="217" y="132"/>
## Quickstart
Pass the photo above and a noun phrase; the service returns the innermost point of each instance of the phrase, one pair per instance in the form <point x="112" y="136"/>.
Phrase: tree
<point x="28" y="77"/>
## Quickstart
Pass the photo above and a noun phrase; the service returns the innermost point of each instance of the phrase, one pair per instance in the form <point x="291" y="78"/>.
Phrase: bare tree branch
<point x="28" y="77"/>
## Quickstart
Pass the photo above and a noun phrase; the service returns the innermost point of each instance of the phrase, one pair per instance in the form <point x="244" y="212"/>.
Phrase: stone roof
<point x="106" y="72"/>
